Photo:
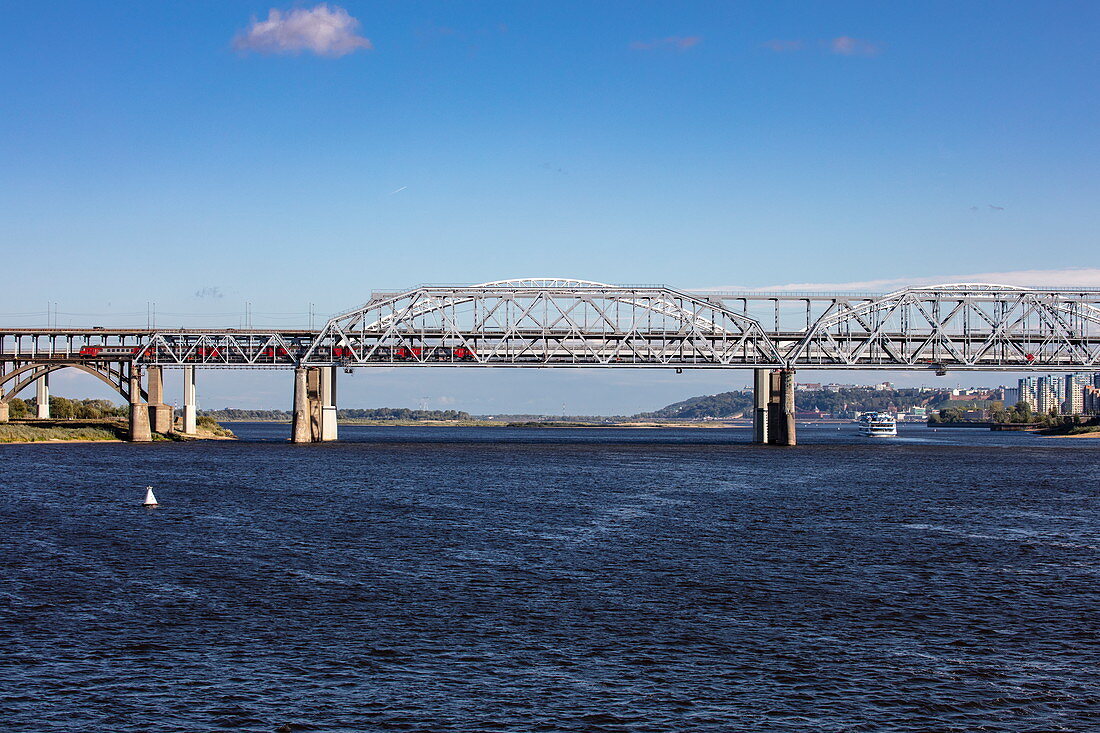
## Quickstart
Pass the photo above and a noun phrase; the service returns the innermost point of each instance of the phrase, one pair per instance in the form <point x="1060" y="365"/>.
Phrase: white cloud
<point x="679" y="43"/>
<point x="321" y="30"/>
<point x="848" y="46"/>
<point x="1083" y="277"/>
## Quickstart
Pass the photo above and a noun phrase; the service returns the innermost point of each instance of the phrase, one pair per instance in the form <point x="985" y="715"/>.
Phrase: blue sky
<point x="181" y="153"/>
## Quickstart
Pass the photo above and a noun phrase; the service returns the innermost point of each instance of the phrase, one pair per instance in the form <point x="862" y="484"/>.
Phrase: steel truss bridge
<point x="576" y="323"/>
<point x="545" y="322"/>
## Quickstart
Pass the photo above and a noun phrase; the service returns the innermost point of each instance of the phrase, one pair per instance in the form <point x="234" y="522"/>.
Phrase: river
<point x="527" y="579"/>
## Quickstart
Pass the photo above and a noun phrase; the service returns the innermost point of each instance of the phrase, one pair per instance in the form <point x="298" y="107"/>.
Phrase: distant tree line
<point x="401" y="413"/>
<point x="1021" y="412"/>
<point x="864" y="400"/>
<point x="63" y="409"/>
<point x="381" y="413"/>
<point x="232" y="413"/>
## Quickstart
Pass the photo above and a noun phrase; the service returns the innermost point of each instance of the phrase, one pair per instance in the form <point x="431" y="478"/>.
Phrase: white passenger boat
<point x="878" y="425"/>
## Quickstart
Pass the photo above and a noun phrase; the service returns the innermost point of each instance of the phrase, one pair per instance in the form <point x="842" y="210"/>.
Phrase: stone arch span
<point x="27" y="374"/>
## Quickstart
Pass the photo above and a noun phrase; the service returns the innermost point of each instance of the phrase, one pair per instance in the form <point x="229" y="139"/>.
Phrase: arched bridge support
<point x="314" y="405"/>
<point x="123" y="377"/>
<point x="773" y="414"/>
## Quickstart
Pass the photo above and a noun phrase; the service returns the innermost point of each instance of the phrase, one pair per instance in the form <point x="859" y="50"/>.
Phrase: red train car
<point x="206" y="352"/>
<point x="94" y="351"/>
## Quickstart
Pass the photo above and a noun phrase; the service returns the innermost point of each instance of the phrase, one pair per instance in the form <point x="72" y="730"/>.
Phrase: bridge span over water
<point x="565" y="323"/>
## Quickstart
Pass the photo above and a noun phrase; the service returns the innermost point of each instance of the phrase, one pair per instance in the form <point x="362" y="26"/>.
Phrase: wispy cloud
<point x="781" y="46"/>
<point x="848" y="46"/>
<point x="676" y="43"/>
<point x="210" y="291"/>
<point x="1075" y="277"/>
<point x="841" y="45"/>
<point x="321" y="30"/>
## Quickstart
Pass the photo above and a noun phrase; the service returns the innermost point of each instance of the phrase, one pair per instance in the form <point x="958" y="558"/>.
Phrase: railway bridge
<point x="566" y="323"/>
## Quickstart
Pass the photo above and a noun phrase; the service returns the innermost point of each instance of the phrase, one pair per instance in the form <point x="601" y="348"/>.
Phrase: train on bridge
<point x="207" y="354"/>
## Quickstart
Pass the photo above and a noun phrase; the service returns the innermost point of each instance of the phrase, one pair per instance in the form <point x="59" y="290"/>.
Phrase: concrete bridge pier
<point x="299" y="427"/>
<point x="314" y="405"/>
<point x="42" y="396"/>
<point x="139" y="411"/>
<point x="773" y="413"/>
<point x="788" y="429"/>
<point x="4" y="414"/>
<point x="160" y="414"/>
<point x="328" y="403"/>
<point x="761" y="393"/>
<point x="190" y="421"/>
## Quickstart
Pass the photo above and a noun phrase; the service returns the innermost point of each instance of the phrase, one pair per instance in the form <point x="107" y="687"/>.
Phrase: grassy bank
<point x="208" y="427"/>
<point x="1073" y="431"/>
<point x="36" y="434"/>
<point x="57" y="431"/>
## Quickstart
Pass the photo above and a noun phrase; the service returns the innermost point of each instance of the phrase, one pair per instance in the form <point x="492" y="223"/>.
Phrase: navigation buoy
<point x="150" y="499"/>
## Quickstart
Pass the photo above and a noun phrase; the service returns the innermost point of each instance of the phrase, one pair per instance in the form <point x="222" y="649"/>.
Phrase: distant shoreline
<point x="513" y="423"/>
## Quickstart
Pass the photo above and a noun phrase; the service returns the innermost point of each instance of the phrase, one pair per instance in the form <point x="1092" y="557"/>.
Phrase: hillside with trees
<point x="844" y="401"/>
<point x="725" y="404"/>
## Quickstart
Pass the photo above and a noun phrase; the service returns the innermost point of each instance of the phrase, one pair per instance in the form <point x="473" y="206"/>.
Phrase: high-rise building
<point x="1090" y="400"/>
<point x="1029" y="392"/>
<point x="1073" y="402"/>
<point x="1011" y="396"/>
<point x="1047" y="394"/>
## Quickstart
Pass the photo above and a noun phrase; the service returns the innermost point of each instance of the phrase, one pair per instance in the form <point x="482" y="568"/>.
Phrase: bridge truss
<point x="576" y="323"/>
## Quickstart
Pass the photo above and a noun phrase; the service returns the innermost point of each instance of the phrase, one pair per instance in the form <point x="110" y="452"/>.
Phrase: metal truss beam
<point x="555" y="322"/>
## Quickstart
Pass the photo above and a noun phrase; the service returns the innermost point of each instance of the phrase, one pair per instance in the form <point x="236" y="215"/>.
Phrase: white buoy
<point x="150" y="500"/>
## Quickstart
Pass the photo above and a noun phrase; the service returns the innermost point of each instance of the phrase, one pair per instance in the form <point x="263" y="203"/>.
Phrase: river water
<point x="438" y="579"/>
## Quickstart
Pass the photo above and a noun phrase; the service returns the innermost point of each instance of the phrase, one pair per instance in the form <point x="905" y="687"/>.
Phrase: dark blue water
<point x="553" y="580"/>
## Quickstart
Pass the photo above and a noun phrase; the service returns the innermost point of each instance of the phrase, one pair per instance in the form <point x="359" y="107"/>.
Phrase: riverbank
<point x="1076" y="431"/>
<point x="35" y="434"/>
<point x="97" y="431"/>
